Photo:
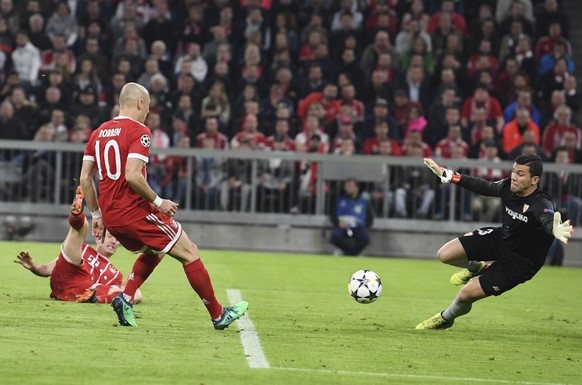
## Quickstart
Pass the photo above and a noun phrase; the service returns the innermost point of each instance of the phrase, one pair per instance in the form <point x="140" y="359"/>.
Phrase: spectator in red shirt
<point x="327" y="98"/>
<point x="447" y="7"/>
<point x="444" y="148"/>
<point x="481" y="98"/>
<point x="372" y="145"/>
<point x="545" y="44"/>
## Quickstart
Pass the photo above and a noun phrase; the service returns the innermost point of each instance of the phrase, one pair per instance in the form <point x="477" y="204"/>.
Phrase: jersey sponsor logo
<point x="551" y="211"/>
<point x="145" y="140"/>
<point x="515" y="215"/>
<point x="106" y="133"/>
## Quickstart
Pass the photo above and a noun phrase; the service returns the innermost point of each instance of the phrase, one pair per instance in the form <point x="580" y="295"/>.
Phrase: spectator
<point x="545" y="44"/>
<point x="414" y="192"/>
<point x="549" y="61"/>
<point x="482" y="99"/>
<point x="456" y="19"/>
<point x="62" y="22"/>
<point x="524" y="100"/>
<point x="418" y="12"/>
<point x="86" y="104"/>
<point x="210" y="170"/>
<point x="11" y="128"/>
<point x="550" y="13"/>
<point x="160" y="27"/>
<point x="312" y="127"/>
<point x="345" y="132"/>
<point x="37" y="36"/>
<point x="255" y="22"/>
<point x="196" y="64"/>
<point x="97" y="58"/>
<point x="56" y="126"/>
<point x="327" y="98"/>
<point x="151" y="69"/>
<point x="275" y="190"/>
<point x="250" y="135"/>
<point x="573" y="98"/>
<point x="445" y="147"/>
<point x="26" y="59"/>
<point x="488" y="208"/>
<point x="372" y="145"/>
<point x="348" y="98"/>
<point x="528" y="146"/>
<point x="380" y="113"/>
<point x="218" y="97"/>
<point x="351" y="218"/>
<point x="554" y="133"/>
<point x="348" y="7"/>
<point x="24" y="109"/>
<point x="570" y="142"/>
<point x="513" y="132"/>
<point x="406" y="40"/>
<point x="488" y="134"/>
<point x="372" y="52"/>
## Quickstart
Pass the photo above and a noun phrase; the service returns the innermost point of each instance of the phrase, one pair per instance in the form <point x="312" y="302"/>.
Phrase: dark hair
<point x="534" y="162"/>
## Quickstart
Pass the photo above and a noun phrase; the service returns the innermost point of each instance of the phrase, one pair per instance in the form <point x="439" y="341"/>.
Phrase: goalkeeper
<point x="517" y="249"/>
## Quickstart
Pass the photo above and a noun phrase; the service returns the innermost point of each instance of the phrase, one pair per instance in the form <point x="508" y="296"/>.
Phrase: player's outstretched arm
<point x="562" y="230"/>
<point x="26" y="261"/>
<point x="445" y="175"/>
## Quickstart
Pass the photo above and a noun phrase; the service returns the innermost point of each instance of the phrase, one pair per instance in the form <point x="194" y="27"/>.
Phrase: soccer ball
<point x="365" y="286"/>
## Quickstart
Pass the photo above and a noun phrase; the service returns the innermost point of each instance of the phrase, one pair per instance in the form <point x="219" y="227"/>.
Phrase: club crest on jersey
<point x="145" y="140"/>
<point x="515" y="215"/>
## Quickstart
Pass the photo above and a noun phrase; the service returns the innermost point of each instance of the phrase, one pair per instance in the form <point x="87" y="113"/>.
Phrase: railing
<point x="251" y="186"/>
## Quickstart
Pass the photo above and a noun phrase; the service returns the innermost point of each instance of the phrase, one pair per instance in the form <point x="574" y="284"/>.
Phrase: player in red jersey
<point x="142" y="221"/>
<point x="80" y="273"/>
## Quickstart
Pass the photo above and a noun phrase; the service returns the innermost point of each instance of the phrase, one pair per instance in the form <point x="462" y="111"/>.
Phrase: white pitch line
<point x="414" y="376"/>
<point x="248" y="335"/>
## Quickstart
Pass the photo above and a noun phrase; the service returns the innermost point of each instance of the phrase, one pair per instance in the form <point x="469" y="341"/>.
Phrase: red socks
<point x="77" y="222"/>
<point x="142" y="268"/>
<point x="200" y="282"/>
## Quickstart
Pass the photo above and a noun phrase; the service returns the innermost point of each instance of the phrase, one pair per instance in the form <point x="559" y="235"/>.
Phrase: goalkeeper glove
<point x="562" y="231"/>
<point x="446" y="175"/>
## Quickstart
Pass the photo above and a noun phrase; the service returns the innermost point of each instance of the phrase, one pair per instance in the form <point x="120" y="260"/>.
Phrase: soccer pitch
<point x="310" y="331"/>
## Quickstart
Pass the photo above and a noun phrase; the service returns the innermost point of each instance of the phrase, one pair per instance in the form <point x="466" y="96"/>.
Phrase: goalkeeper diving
<point x="500" y="258"/>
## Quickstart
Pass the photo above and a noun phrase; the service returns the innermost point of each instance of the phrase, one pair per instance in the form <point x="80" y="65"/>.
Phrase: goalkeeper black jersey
<point x="527" y="221"/>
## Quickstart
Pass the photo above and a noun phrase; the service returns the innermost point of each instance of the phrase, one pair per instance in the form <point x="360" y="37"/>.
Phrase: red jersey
<point x="110" y="146"/>
<point x="68" y="280"/>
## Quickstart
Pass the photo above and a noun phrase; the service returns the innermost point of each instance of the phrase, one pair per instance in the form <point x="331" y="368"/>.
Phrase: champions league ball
<point x="365" y="286"/>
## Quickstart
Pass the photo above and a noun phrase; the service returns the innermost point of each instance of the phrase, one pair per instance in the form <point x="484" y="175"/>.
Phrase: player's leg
<point x="461" y="305"/>
<point x="470" y="252"/>
<point x="73" y="242"/>
<point x="187" y="253"/>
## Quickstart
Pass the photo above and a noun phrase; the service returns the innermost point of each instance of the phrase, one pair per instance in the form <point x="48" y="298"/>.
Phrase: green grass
<point x="311" y="331"/>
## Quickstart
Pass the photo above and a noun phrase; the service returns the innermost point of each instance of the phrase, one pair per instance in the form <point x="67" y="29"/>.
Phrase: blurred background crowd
<point x="445" y="78"/>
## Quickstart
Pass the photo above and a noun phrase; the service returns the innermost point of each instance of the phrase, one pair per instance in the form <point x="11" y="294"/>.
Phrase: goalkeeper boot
<point x="124" y="311"/>
<point x="230" y="314"/>
<point x="463" y="276"/>
<point x="77" y="206"/>
<point x="435" y="322"/>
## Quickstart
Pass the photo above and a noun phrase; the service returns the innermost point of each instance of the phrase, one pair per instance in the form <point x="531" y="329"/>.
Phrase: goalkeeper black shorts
<point x="506" y="271"/>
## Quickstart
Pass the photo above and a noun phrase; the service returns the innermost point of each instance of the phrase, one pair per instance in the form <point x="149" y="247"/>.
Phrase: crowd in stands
<point x="483" y="79"/>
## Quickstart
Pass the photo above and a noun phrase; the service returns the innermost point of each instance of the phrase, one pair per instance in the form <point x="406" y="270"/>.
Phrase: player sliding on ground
<point x="142" y="221"/>
<point x="518" y="248"/>
<point x="80" y="273"/>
